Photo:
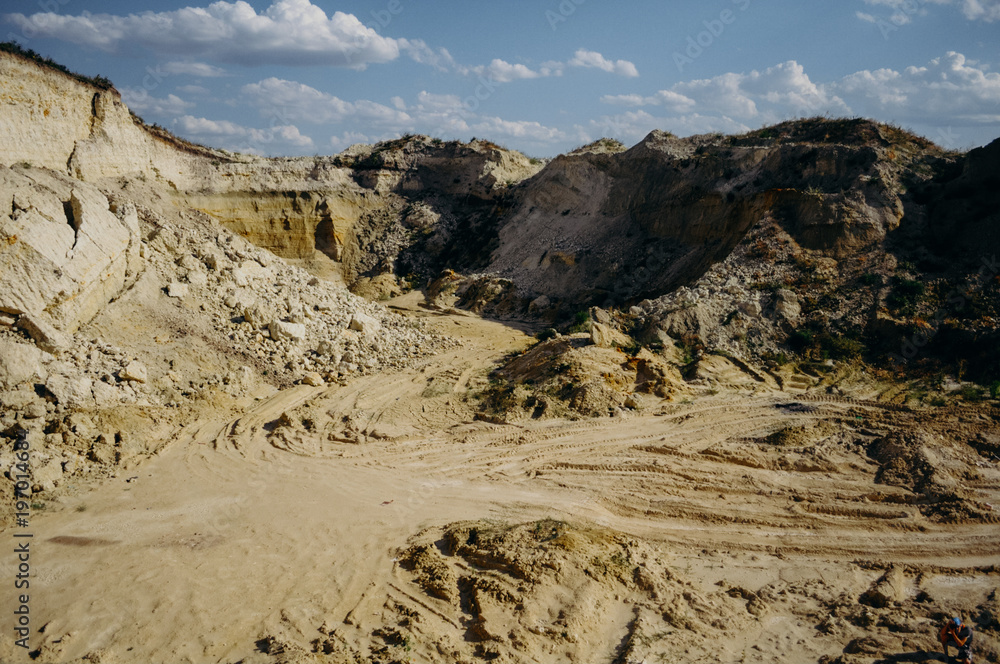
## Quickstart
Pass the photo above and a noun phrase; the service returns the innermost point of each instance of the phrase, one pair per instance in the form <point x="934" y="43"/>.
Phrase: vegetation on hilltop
<point x="15" y="48"/>
<point x="850" y="131"/>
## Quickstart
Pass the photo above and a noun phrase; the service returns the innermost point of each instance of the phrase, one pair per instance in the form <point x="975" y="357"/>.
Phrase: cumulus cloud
<point x="585" y="58"/>
<point x="199" y="69"/>
<point x="502" y="71"/>
<point x="534" y="131"/>
<point x="767" y="94"/>
<point x="950" y="90"/>
<point x="632" y="126"/>
<point x="674" y="101"/>
<point x="296" y="102"/>
<point x="349" y="138"/>
<point x="244" y="139"/>
<point x="140" y="101"/>
<point x="902" y="12"/>
<point x="505" y="72"/>
<point x="981" y="10"/>
<point x="418" y="51"/>
<point x="366" y="121"/>
<point x="290" y="32"/>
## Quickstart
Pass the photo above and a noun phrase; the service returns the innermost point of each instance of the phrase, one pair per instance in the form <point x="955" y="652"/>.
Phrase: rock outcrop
<point x="64" y="252"/>
<point x="613" y="227"/>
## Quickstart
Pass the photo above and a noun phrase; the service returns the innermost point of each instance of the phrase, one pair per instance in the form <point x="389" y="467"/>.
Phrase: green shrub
<point x="581" y="322"/>
<point x="838" y="347"/>
<point x="800" y="340"/>
<point x="995" y="389"/>
<point x="545" y="335"/>
<point x="905" y="295"/>
<point x="13" y="47"/>
<point x="972" y="393"/>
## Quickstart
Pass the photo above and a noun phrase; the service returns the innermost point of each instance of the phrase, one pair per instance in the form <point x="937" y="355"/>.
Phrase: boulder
<point x="105" y="395"/>
<point x="135" y="371"/>
<point x="599" y="315"/>
<point x="750" y="309"/>
<point x="177" y="289"/>
<point x="72" y="392"/>
<point x="685" y="322"/>
<point x="255" y="316"/>
<point x="540" y="303"/>
<point x="313" y="379"/>
<point x="103" y="450"/>
<point x="365" y="324"/>
<point x="604" y="336"/>
<point x="45" y="335"/>
<point x="20" y="363"/>
<point x="239" y="277"/>
<point x="197" y="278"/>
<point x="281" y="330"/>
<point x="889" y="589"/>
<point x="48" y="475"/>
<point x="787" y="305"/>
<point x="62" y="250"/>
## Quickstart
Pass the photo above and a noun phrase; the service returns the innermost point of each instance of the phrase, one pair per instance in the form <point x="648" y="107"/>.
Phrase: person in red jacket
<point x="955" y="633"/>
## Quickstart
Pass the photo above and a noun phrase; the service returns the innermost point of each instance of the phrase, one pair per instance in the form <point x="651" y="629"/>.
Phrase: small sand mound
<point x="542" y="590"/>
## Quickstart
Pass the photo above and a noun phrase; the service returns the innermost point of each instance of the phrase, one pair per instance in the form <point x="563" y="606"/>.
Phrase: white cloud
<point x="501" y="71"/>
<point x="981" y="10"/>
<point x="504" y="72"/>
<point x="765" y="95"/>
<point x="442" y="115"/>
<point x="244" y="139"/>
<point x="903" y="11"/>
<point x="420" y="52"/>
<point x="947" y="91"/>
<point x="632" y="126"/>
<point x="296" y="102"/>
<point x="349" y="138"/>
<point x="492" y="126"/>
<point x="204" y="126"/>
<point x="672" y="100"/>
<point x="199" y="69"/>
<point x="950" y="89"/>
<point x="140" y="101"/>
<point x="585" y="58"/>
<point x="290" y="32"/>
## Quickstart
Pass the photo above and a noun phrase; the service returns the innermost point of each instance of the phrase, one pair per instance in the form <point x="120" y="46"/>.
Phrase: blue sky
<point x="291" y="77"/>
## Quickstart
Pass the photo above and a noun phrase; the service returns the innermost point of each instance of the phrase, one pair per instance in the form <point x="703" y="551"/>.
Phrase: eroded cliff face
<point x="55" y="121"/>
<point x="617" y="227"/>
<point x="65" y="251"/>
<point x="351" y="207"/>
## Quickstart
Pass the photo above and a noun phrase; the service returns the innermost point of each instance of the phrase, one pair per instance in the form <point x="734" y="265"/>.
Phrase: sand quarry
<point x="237" y="460"/>
<point x="380" y="521"/>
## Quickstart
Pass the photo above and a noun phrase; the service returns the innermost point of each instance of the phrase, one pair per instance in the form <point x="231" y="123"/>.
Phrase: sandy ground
<point x="288" y="522"/>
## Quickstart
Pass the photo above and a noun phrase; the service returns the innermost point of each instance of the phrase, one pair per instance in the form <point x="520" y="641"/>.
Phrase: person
<point x="956" y="633"/>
